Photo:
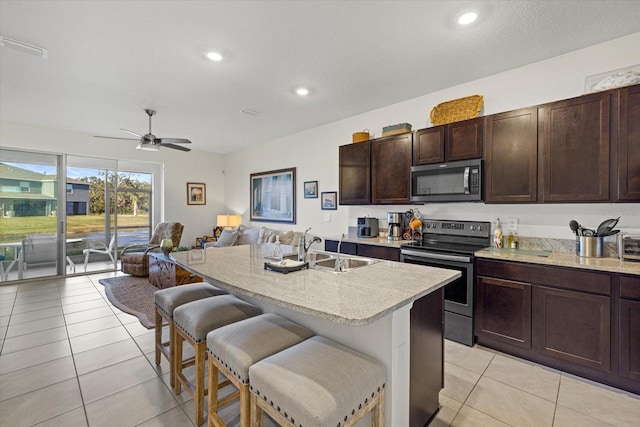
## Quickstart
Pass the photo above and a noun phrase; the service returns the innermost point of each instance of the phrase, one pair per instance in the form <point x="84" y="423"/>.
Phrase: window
<point x="69" y="188"/>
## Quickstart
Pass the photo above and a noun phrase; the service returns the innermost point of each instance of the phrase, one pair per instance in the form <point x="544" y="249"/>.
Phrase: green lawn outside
<point x="17" y="228"/>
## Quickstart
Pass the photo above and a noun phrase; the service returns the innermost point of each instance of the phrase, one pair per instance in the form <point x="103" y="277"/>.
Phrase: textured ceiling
<point x="109" y="60"/>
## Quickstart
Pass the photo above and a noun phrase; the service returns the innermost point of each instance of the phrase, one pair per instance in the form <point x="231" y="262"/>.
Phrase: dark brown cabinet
<point x="629" y="327"/>
<point x="391" y="169"/>
<point x="510" y="153"/>
<point x="628" y="145"/>
<point x="574" y="326"/>
<point x="447" y="143"/>
<point x="355" y="174"/>
<point x="574" y="149"/>
<point x="364" y="250"/>
<point x="503" y="311"/>
<point x="579" y="321"/>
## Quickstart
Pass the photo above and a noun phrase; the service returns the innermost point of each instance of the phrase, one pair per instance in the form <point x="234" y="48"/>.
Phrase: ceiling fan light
<point x="147" y="147"/>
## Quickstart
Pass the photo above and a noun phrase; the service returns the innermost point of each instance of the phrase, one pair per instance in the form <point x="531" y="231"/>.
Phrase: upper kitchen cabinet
<point x="510" y="153"/>
<point x="355" y="174"/>
<point x="574" y="149"/>
<point x="391" y="169"/>
<point x="447" y="143"/>
<point x="628" y="145"/>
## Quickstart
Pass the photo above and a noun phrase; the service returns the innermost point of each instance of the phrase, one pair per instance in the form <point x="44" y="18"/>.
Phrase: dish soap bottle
<point x="497" y="235"/>
<point x="277" y="250"/>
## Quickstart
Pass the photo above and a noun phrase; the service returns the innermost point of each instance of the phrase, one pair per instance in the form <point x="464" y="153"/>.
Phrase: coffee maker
<point x="396" y="227"/>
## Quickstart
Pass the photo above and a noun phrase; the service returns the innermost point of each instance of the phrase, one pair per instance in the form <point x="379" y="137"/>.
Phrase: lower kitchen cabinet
<point x="629" y="306"/>
<point x="574" y="326"/>
<point x="503" y="311"/>
<point x="579" y="321"/>
<point x="369" y="251"/>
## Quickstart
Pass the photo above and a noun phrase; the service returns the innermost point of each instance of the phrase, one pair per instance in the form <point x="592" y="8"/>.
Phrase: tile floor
<point x="69" y="358"/>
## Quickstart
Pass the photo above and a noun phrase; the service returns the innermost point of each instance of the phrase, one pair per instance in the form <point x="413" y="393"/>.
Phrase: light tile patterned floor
<point x="69" y="358"/>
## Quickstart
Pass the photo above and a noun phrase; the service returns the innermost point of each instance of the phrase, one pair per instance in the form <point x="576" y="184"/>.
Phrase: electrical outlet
<point x="327" y="217"/>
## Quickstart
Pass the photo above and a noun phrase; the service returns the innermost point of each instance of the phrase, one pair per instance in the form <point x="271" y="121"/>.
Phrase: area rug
<point x="133" y="295"/>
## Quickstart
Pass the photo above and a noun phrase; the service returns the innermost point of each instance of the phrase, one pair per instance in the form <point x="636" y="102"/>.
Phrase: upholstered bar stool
<point x="166" y="301"/>
<point x="193" y="321"/>
<point x="232" y="349"/>
<point x="317" y="383"/>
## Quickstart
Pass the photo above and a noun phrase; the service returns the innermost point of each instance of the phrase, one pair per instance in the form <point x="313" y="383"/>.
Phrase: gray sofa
<point x="244" y="235"/>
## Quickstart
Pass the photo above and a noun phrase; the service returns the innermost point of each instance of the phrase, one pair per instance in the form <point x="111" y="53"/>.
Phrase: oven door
<point x="458" y="295"/>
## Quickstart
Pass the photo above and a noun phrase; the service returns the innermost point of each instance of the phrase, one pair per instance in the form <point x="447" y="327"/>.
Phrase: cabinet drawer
<point x="381" y="252"/>
<point x="557" y="277"/>
<point x="630" y="287"/>
<point x="348" y="248"/>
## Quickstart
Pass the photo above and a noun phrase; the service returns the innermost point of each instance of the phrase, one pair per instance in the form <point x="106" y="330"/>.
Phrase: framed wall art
<point x="329" y="200"/>
<point x="273" y="196"/>
<point x="196" y="193"/>
<point x="311" y="189"/>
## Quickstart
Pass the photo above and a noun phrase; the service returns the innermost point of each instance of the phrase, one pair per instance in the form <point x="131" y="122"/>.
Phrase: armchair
<point x="100" y="248"/>
<point x="135" y="258"/>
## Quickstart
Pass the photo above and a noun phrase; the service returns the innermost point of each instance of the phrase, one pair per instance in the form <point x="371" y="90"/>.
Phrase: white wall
<point x="314" y="152"/>
<point x="179" y="168"/>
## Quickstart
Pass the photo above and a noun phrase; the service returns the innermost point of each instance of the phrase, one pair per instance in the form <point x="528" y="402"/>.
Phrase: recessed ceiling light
<point x="302" y="91"/>
<point x="214" y="56"/>
<point x="467" y="18"/>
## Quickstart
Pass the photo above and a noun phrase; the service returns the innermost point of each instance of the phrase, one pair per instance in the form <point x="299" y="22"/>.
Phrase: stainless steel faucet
<point x="303" y="247"/>
<point x="339" y="265"/>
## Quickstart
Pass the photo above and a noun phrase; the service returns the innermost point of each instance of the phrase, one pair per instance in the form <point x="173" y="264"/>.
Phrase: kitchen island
<point x="388" y="310"/>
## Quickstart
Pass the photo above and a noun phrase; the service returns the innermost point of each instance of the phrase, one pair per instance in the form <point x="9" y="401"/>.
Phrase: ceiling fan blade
<point x="176" y="147"/>
<point x="132" y="133"/>
<point x="113" y="137"/>
<point x="173" y="141"/>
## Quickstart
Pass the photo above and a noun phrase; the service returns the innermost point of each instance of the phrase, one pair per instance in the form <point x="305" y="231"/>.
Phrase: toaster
<point x="367" y="227"/>
<point x="629" y="247"/>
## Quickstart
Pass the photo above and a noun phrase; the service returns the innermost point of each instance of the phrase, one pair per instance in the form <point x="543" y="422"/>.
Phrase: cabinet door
<point x="574" y="143"/>
<point x="464" y="140"/>
<point x="503" y="311"/>
<point x="628" y="161"/>
<point x="428" y="146"/>
<point x="630" y="339"/>
<point x="355" y="174"/>
<point x="573" y="326"/>
<point x="510" y="153"/>
<point x="391" y="169"/>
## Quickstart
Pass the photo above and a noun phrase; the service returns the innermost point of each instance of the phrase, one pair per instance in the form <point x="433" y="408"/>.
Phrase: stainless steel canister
<point x="590" y="246"/>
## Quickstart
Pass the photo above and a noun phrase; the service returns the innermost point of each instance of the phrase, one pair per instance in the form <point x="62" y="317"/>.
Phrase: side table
<point x="164" y="273"/>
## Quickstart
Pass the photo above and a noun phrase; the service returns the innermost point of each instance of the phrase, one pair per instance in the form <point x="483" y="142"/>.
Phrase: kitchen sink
<point x="312" y="256"/>
<point x="347" y="263"/>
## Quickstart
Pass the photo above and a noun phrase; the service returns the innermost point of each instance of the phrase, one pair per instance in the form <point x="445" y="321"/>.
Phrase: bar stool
<point x="234" y="348"/>
<point x="317" y="383"/>
<point x="194" y="320"/>
<point x="166" y="301"/>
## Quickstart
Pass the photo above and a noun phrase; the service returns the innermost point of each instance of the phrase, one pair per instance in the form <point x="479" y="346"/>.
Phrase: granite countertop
<point x="356" y="297"/>
<point x="564" y="259"/>
<point x="376" y="241"/>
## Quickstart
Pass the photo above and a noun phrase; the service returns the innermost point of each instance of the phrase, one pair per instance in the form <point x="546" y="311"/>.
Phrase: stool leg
<point x="158" y="335"/>
<point x="213" y="392"/>
<point x="172" y="353"/>
<point x="176" y="361"/>
<point x="377" y="413"/>
<point x="201" y="350"/>
<point x="256" y="412"/>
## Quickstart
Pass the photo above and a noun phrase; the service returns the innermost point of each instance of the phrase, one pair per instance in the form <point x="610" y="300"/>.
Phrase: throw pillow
<point x="286" y="238"/>
<point x="248" y="235"/>
<point x="227" y="238"/>
<point x="265" y="234"/>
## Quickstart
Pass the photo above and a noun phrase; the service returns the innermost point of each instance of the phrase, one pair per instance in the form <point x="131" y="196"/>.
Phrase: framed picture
<point x="196" y="193"/>
<point x="273" y="196"/>
<point x="311" y="189"/>
<point x="329" y="200"/>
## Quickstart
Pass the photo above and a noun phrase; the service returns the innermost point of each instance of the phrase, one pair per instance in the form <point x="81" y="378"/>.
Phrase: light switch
<point x="327" y="217"/>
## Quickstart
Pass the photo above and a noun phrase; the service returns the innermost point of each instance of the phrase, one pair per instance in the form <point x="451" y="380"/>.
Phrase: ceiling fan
<point x="149" y="141"/>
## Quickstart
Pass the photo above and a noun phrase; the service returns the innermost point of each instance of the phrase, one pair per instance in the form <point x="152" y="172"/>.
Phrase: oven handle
<point x="431" y="255"/>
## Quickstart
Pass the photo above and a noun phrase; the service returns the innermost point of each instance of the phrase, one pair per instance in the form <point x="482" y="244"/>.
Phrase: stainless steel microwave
<point x="447" y="182"/>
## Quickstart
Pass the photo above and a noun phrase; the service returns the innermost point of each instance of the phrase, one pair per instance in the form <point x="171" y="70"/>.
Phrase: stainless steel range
<point x="451" y="244"/>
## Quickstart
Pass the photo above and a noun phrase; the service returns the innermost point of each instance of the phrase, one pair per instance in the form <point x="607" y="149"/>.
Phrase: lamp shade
<point x="228" y="220"/>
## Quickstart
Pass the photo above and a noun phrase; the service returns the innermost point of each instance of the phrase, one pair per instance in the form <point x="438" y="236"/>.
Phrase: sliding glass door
<point x="31" y="232"/>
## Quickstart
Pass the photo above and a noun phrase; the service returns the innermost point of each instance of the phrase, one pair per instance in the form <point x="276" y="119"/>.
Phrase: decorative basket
<point x="361" y="136"/>
<point x="456" y="110"/>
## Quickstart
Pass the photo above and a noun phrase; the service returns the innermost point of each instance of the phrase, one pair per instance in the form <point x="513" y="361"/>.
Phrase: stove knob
<point x="479" y="228"/>
<point x="473" y="228"/>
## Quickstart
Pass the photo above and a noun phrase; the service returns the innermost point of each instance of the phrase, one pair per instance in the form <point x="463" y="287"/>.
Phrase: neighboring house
<point x="27" y="193"/>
